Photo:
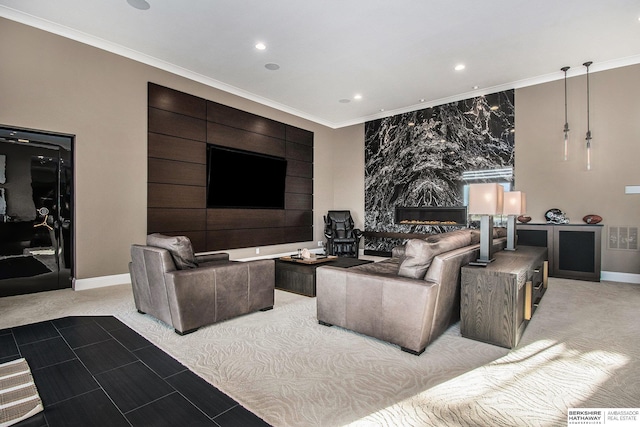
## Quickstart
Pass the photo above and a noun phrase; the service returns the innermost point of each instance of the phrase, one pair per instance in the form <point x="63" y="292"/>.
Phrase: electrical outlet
<point x="257" y="250"/>
<point x="320" y="243"/>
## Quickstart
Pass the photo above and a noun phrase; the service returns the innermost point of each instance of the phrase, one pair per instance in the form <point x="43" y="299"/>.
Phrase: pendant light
<point x="588" y="138"/>
<point x="566" y="121"/>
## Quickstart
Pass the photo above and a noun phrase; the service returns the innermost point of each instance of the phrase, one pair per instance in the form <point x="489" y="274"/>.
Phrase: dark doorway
<point x="36" y="206"/>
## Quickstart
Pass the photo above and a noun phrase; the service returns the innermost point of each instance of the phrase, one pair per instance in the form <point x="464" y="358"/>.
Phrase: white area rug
<point x="579" y="350"/>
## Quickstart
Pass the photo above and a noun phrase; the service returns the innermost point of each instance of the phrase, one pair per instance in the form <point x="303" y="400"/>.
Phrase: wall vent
<point x="623" y="238"/>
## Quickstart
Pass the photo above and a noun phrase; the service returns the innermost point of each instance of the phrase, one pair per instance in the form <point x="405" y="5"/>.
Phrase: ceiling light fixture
<point x="566" y="120"/>
<point x="344" y="101"/>
<point x="271" y="66"/>
<point x="460" y="67"/>
<point x="139" y="4"/>
<point x="588" y="138"/>
<point x="357" y="96"/>
<point x="261" y="46"/>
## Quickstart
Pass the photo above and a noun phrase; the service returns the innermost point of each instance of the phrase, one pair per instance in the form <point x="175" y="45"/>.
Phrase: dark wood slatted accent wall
<point x="180" y="126"/>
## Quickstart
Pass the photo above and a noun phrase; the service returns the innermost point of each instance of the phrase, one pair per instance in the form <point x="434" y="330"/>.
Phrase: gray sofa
<point x="409" y="299"/>
<point x="187" y="291"/>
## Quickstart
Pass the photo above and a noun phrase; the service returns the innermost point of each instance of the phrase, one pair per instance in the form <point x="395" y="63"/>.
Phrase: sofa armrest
<point x="220" y="256"/>
<point x="398" y="251"/>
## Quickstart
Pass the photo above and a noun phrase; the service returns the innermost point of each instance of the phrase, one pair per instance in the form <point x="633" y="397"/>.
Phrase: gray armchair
<point x="186" y="291"/>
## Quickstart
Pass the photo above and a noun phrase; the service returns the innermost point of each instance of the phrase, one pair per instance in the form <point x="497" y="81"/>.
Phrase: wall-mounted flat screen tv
<point x="244" y="179"/>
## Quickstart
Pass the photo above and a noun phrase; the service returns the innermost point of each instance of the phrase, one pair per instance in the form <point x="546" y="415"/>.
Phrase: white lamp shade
<point x="485" y="199"/>
<point x="515" y="203"/>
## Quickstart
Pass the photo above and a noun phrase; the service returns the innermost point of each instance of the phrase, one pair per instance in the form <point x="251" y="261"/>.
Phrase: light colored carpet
<point x="581" y="349"/>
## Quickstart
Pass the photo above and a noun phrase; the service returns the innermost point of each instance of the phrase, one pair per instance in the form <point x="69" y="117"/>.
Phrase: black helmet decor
<point x="556" y="216"/>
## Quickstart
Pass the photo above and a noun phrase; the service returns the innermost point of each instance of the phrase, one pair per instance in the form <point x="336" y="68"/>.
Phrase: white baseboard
<point x="100" y="282"/>
<point x="121" y="279"/>
<point x="614" y="276"/>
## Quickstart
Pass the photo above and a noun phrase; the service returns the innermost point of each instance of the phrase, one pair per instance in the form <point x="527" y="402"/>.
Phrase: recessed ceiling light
<point x="382" y="109"/>
<point x="261" y="46"/>
<point x="460" y="67"/>
<point x="139" y="4"/>
<point x="476" y="87"/>
<point x="421" y="99"/>
<point x="357" y="96"/>
<point x="344" y="101"/>
<point x="271" y="66"/>
<point x="494" y="107"/>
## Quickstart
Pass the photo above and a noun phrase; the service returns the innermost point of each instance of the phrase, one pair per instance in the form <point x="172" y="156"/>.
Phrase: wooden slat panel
<point x="298" y="135"/>
<point x="298" y="168"/>
<point x="299" y="152"/>
<point x="237" y="138"/>
<point x="298" y="201"/>
<point x="173" y="148"/>
<point x="299" y="234"/>
<point x="163" y="220"/>
<point x="299" y="218"/>
<point x="173" y="172"/>
<point x="229" y="116"/>
<point x="222" y="219"/>
<point x="296" y="184"/>
<point x="175" y="196"/>
<point x="178" y="102"/>
<point x="245" y="238"/>
<point x="174" y="124"/>
<point x="178" y="128"/>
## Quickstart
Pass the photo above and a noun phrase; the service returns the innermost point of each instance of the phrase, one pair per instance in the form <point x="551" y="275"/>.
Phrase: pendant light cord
<point x="587" y="64"/>
<point x="566" y="120"/>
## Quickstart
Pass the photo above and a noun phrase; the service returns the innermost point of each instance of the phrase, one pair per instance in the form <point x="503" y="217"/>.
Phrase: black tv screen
<point x="243" y="179"/>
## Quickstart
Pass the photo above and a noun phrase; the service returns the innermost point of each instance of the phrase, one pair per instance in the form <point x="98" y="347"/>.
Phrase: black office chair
<point x="342" y="238"/>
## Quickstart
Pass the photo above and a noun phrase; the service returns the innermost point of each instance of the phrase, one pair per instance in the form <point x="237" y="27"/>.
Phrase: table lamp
<point x="485" y="200"/>
<point x="515" y="203"/>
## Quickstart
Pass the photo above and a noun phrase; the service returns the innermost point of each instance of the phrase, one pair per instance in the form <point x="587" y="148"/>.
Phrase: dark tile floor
<point x="96" y="371"/>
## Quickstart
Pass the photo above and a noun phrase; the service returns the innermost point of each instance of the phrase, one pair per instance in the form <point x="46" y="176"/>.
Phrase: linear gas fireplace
<point x="449" y="216"/>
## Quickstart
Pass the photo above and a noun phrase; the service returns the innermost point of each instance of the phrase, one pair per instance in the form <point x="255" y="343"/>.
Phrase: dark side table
<point x="300" y="278"/>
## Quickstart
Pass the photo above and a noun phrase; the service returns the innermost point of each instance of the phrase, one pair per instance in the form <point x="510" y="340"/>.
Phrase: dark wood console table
<point x="498" y="301"/>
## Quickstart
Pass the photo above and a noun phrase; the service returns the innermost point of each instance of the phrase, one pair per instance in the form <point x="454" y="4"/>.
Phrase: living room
<point x="58" y="84"/>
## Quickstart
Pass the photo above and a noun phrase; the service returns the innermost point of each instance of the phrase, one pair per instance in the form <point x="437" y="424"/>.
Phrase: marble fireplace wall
<point x="417" y="159"/>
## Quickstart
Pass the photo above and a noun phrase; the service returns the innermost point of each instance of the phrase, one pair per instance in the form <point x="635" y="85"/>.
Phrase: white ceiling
<point x="393" y="53"/>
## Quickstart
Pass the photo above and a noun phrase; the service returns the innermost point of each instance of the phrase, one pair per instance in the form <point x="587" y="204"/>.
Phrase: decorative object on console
<point x="592" y="219"/>
<point x="588" y="138"/>
<point x="566" y="120"/>
<point x="343" y="238"/>
<point x="485" y="200"/>
<point x="556" y="216"/>
<point x="515" y="203"/>
<point x="524" y="219"/>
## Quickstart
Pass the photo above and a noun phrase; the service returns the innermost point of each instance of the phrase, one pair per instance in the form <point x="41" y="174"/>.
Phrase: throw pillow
<point x="178" y="246"/>
<point x="419" y="253"/>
